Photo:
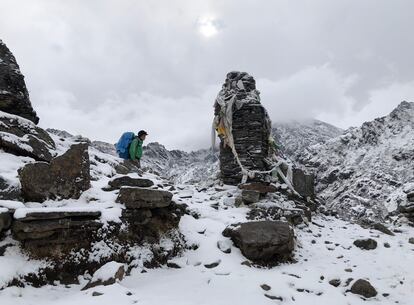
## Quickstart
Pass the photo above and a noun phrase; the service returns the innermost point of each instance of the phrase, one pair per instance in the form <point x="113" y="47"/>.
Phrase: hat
<point x="142" y="133"/>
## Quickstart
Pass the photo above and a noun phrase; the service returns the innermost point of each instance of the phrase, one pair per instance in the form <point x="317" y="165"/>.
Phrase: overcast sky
<point x="98" y="68"/>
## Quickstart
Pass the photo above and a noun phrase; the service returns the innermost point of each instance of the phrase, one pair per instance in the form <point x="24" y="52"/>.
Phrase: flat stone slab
<point x="262" y="188"/>
<point x="268" y="242"/>
<point x="119" y="182"/>
<point x="37" y="214"/>
<point x="138" y="198"/>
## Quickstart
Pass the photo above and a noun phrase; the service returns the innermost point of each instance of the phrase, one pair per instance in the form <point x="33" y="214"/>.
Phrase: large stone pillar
<point x="251" y="127"/>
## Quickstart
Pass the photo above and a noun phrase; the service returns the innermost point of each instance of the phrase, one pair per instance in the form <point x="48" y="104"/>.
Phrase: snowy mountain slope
<point x="295" y="136"/>
<point x="324" y="252"/>
<point x="365" y="171"/>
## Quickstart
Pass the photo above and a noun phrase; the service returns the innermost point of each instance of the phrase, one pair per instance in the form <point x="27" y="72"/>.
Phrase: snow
<point x="106" y="272"/>
<point x="11" y="205"/>
<point x="390" y="270"/>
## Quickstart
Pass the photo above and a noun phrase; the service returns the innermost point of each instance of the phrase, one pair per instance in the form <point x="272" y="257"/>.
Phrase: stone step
<point x="137" y="198"/>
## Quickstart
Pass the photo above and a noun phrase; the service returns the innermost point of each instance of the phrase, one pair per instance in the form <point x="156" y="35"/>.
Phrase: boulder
<point x="119" y="182"/>
<point x="364" y="288"/>
<point x="267" y="242"/>
<point x="138" y="198"/>
<point x="14" y="97"/>
<point x="366" y="244"/>
<point x="67" y="176"/>
<point x="108" y="274"/>
<point x="410" y="197"/>
<point x="303" y="183"/>
<point x="261" y="187"/>
<point x="22" y="137"/>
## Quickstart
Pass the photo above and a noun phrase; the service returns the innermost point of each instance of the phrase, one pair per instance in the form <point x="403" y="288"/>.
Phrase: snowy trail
<point x="322" y="254"/>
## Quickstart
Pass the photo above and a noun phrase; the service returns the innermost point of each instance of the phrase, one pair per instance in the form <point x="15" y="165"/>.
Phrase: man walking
<point x="135" y="149"/>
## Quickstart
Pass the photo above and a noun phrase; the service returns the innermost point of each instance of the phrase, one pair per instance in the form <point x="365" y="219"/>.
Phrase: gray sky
<point x="99" y="68"/>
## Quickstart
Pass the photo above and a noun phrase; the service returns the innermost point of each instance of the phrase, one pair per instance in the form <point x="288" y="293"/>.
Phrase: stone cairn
<point x="251" y="127"/>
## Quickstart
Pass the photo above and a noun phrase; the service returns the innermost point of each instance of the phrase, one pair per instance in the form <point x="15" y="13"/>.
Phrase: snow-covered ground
<point x="324" y="251"/>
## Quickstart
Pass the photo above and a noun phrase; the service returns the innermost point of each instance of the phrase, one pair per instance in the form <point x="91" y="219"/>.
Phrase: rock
<point x="250" y="197"/>
<point x="265" y="287"/>
<point x="5" y="219"/>
<point x="335" y="282"/>
<point x="14" y="97"/>
<point x="21" y="137"/>
<point x="366" y="244"/>
<point x="67" y="176"/>
<point x="119" y="182"/>
<point x="410" y="197"/>
<point x="96" y="294"/>
<point x="303" y="183"/>
<point x="382" y="228"/>
<point x="262" y="188"/>
<point x="250" y="126"/>
<point x="47" y="228"/>
<point x="267" y="242"/>
<point x="137" y="198"/>
<point x="108" y="274"/>
<point x="387" y="245"/>
<point x="364" y="288"/>
<point x="128" y="167"/>
<point x="411" y="240"/>
<point x="213" y="264"/>
<point x="224" y="246"/>
<point x="273" y="297"/>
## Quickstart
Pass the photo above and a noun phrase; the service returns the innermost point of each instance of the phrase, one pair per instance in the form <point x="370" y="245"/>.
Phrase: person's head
<point x="142" y="134"/>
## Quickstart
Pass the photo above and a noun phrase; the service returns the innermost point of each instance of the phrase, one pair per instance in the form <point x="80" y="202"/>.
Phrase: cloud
<point x="319" y="58"/>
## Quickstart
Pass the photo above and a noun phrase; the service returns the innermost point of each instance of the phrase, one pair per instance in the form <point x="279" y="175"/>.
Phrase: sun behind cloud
<point x="207" y="26"/>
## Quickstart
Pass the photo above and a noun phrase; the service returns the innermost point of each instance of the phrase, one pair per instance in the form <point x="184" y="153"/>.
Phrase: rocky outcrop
<point x="21" y="137"/>
<point x="67" y="176"/>
<point x="53" y="233"/>
<point x="138" y="198"/>
<point x="251" y="126"/>
<point x="265" y="242"/>
<point x="14" y="97"/>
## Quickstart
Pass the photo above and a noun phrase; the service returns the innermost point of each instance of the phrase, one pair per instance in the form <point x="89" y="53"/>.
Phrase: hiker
<point x="135" y="149"/>
<point x="129" y="146"/>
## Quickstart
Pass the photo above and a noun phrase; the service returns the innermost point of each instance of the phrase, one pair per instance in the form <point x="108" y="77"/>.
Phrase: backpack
<point x="122" y="147"/>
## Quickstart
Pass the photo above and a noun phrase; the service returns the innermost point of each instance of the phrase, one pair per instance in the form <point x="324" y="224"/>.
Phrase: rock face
<point x="23" y="138"/>
<point x="239" y="102"/>
<point x="137" y="198"/>
<point x="268" y="242"/>
<point x="363" y="173"/>
<point x="67" y="176"/>
<point x="14" y="97"/>
<point x="364" y="288"/>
